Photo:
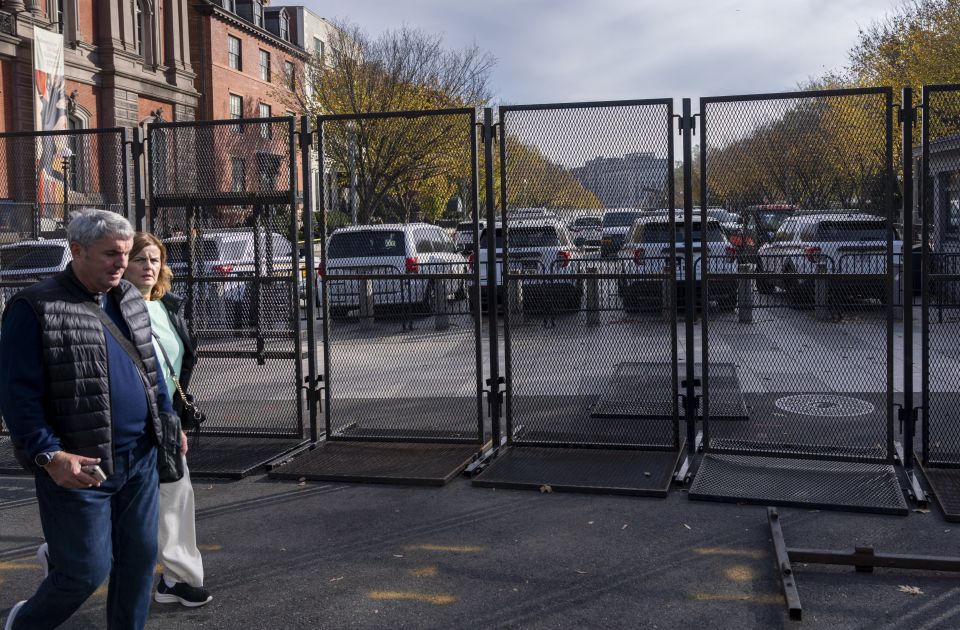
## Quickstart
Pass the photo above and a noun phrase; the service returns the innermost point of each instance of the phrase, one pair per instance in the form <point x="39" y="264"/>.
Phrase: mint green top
<point x="164" y="330"/>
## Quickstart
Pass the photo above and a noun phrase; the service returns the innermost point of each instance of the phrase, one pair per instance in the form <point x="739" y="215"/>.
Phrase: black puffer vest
<point x="76" y="374"/>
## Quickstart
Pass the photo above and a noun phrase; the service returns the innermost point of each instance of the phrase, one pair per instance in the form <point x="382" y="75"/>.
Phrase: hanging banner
<point x="50" y="106"/>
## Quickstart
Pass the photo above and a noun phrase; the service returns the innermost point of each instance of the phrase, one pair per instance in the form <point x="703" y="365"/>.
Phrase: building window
<point x="288" y="74"/>
<point x="137" y="25"/>
<point x="238" y="175"/>
<point x="265" y="65"/>
<point x="258" y="13"/>
<point x="266" y="129"/>
<point x="233" y="52"/>
<point x="318" y="47"/>
<point x="230" y="5"/>
<point x="58" y="17"/>
<point x="284" y="27"/>
<point x="236" y="110"/>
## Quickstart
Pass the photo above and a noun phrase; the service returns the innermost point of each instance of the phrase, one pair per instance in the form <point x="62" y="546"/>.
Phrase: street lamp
<point x="67" y="167"/>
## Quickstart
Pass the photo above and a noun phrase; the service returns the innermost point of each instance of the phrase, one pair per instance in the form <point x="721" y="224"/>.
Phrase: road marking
<point x="761" y="598"/>
<point x="410" y="596"/>
<point x="739" y="573"/>
<point x="446" y="548"/>
<point x="212" y="547"/>
<point x="18" y="566"/>
<point x="757" y="554"/>
<point x="423" y="572"/>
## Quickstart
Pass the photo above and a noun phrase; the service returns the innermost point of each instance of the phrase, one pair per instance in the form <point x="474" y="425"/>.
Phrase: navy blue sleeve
<point x="21" y="381"/>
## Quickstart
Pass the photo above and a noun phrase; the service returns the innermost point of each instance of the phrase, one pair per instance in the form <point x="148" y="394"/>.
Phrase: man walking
<point x="80" y="395"/>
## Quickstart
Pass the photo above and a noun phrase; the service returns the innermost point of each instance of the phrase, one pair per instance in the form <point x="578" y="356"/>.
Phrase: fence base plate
<point x="803" y="483"/>
<point x="607" y="471"/>
<point x="945" y="484"/>
<point x="379" y="462"/>
<point x="235" y="457"/>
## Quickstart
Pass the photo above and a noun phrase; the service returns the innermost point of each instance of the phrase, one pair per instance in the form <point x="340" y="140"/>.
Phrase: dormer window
<point x="284" y="27"/>
<point x="258" y="13"/>
<point x="230" y="5"/>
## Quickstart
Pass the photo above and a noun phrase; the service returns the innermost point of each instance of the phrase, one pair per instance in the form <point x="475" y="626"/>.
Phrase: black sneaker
<point x="191" y="596"/>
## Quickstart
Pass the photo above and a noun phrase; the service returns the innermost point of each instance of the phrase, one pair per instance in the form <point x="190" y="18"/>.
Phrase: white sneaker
<point x="43" y="557"/>
<point x="13" y="613"/>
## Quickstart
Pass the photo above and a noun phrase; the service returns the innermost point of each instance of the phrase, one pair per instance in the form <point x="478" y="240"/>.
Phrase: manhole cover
<point x="824" y="405"/>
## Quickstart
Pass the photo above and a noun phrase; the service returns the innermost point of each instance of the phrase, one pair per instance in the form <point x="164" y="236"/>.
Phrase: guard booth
<point x="403" y="353"/>
<point x="940" y="312"/>
<point x="43" y="177"/>
<point x="580" y="269"/>
<point x="223" y="198"/>
<point x="809" y="340"/>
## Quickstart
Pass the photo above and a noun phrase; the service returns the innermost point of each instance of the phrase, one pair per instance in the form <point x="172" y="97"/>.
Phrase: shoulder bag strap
<point x="120" y="337"/>
<point x="173" y="372"/>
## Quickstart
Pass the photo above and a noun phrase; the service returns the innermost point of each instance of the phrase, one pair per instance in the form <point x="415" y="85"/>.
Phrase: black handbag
<point x="169" y="457"/>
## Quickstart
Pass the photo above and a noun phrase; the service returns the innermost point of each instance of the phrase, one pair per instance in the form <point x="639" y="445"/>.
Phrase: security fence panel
<point x="585" y="280"/>
<point x="940" y="337"/>
<point x="797" y="269"/>
<point x="224" y="202"/>
<point x="43" y="177"/>
<point x="402" y="334"/>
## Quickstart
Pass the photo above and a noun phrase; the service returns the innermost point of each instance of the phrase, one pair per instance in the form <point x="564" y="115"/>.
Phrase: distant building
<point x="636" y="180"/>
<point x="945" y="195"/>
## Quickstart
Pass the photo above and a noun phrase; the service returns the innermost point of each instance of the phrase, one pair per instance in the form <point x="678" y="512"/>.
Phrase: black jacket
<point x="174" y="305"/>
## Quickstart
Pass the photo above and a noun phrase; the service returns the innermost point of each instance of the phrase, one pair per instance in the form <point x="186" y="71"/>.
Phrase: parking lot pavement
<point x="327" y="555"/>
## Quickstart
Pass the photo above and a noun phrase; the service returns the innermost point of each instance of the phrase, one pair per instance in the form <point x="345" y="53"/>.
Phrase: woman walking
<point x="182" y="577"/>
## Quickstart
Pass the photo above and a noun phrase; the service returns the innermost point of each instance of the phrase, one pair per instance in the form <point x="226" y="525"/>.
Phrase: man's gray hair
<point x="89" y="224"/>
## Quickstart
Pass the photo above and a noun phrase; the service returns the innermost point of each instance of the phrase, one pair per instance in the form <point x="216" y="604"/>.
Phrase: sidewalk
<point x="326" y="555"/>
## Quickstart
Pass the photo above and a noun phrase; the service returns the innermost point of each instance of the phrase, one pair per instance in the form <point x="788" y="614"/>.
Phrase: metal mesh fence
<point x="43" y="177"/>
<point x="223" y="200"/>
<point x="403" y="350"/>
<point x="584" y="274"/>
<point x="801" y="262"/>
<point x="941" y="276"/>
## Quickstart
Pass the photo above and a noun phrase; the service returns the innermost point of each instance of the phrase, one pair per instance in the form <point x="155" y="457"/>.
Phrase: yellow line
<point x="725" y="551"/>
<point x="447" y="548"/>
<point x="212" y="547"/>
<point x="408" y="596"/>
<point x="423" y="572"/>
<point x="762" y="598"/>
<point x="18" y="566"/>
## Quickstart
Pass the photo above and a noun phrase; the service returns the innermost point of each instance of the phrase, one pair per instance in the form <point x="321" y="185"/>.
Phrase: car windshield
<point x="773" y="219"/>
<point x="588" y="222"/>
<point x="366" y="244"/>
<point x="30" y="257"/>
<point x="660" y="233"/>
<point x="838" y="231"/>
<point x="531" y="236"/>
<point x="207" y="250"/>
<point x="620" y="219"/>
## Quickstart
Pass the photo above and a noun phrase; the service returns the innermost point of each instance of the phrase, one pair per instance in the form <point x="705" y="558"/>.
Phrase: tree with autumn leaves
<point x="409" y="166"/>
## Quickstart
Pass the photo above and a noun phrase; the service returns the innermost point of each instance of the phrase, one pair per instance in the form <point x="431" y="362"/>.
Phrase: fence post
<point x="366" y="302"/>
<point x="139" y="198"/>
<point x="441" y="319"/>
<point x="516" y="297"/>
<point x="899" y="296"/>
<point x="821" y="293"/>
<point x="593" y="298"/>
<point x="745" y="294"/>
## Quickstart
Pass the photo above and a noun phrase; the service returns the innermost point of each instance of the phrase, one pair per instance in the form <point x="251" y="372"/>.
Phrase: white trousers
<point x="177" y="534"/>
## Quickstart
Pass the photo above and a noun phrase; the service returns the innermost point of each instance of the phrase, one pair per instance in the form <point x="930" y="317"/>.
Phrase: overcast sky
<point x="583" y="50"/>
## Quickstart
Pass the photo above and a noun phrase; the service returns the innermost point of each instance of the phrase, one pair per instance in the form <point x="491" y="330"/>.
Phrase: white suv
<point x="27" y="262"/>
<point x="847" y="242"/>
<point x="393" y="255"/>
<point x="464" y="236"/>
<point x="646" y="251"/>
<point x="540" y="247"/>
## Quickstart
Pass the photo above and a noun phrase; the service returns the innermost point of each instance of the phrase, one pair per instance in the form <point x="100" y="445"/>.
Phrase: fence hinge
<point x="902" y="115"/>
<point x="683" y="123"/>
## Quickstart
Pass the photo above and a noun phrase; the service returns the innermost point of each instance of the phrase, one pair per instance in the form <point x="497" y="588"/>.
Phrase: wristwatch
<point x="43" y="459"/>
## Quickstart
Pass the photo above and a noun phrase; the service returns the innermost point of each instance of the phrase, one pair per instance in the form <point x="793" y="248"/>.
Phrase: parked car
<point x="464" y="236"/>
<point x="26" y="262"/>
<point x="537" y="246"/>
<point x="224" y="268"/>
<point x="616" y="224"/>
<point x="647" y="252"/>
<point x="847" y="242"/>
<point x="587" y="231"/>
<point x="729" y="221"/>
<point x="758" y="224"/>
<point x="394" y="255"/>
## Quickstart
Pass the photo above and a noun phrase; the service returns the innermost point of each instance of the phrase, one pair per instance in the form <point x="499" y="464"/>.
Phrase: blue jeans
<point x="96" y="532"/>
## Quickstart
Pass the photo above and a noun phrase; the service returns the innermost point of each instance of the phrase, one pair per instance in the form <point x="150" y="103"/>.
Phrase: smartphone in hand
<point x="95" y="472"/>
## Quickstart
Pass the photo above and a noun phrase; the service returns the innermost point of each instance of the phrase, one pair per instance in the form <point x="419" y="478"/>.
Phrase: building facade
<point x="636" y="180"/>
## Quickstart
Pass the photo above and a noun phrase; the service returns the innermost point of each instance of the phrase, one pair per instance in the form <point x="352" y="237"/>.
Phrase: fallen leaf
<point x="624" y="526"/>
<point x="921" y="510"/>
<point x="913" y="590"/>
<point x="589" y="522"/>
<point x="336" y="579"/>
<point x="302" y="483"/>
<point x="545" y="489"/>
<point x="398" y="555"/>
<point x="687" y="526"/>
<point x="581" y="572"/>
